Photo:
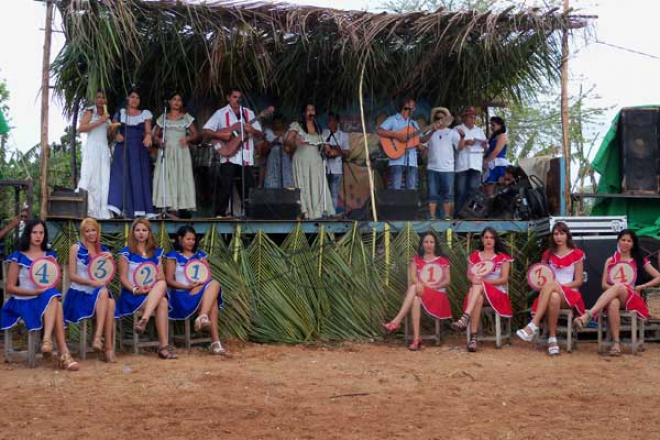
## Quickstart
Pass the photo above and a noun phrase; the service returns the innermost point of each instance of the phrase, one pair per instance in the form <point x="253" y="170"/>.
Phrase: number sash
<point x="145" y="275"/>
<point x="431" y="275"/>
<point x="45" y="272"/>
<point x="539" y="275"/>
<point x="102" y="268"/>
<point x="622" y="272"/>
<point x="197" y="271"/>
<point x="482" y="268"/>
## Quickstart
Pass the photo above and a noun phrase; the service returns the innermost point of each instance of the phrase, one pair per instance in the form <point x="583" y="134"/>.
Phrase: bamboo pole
<point x="366" y="146"/>
<point x="45" y="94"/>
<point x="566" y="142"/>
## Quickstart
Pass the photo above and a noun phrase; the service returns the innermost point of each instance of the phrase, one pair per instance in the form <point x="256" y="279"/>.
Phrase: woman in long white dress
<point x="95" y="168"/>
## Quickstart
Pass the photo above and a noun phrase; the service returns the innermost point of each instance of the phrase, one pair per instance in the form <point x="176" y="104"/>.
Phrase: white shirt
<point x="471" y="157"/>
<point x="441" y="150"/>
<point x="334" y="165"/>
<point x="225" y="117"/>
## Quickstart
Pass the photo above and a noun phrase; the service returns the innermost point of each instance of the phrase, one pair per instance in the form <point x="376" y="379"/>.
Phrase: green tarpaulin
<point x="642" y="213"/>
<point x="4" y="127"/>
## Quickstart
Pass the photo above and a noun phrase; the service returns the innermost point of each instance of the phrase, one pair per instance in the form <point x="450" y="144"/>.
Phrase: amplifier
<point x="273" y="204"/>
<point x="397" y="204"/>
<point x="67" y="203"/>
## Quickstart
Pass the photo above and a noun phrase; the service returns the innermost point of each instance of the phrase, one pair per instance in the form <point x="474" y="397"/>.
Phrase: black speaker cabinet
<point x="639" y="150"/>
<point x="397" y="204"/>
<point x="596" y="250"/>
<point x="66" y="203"/>
<point x="274" y="204"/>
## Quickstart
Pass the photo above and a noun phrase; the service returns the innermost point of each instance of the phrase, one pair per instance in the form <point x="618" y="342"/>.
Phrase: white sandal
<point x="528" y="337"/>
<point x="217" y="349"/>
<point x="553" y="347"/>
<point x="202" y="323"/>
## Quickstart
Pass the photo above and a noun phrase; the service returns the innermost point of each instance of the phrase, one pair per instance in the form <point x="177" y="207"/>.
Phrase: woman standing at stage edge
<point x="308" y="173"/>
<point x="130" y="174"/>
<point x="175" y="190"/>
<point x="95" y="168"/>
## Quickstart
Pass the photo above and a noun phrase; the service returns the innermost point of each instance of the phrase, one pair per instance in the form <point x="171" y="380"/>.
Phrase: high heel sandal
<point x="68" y="363"/>
<point x="47" y="348"/>
<point x="217" y="349"/>
<point x="165" y="353"/>
<point x="391" y="326"/>
<point x="415" y="345"/>
<point x="462" y="323"/>
<point x="141" y="326"/>
<point x="580" y="323"/>
<point x="528" y="336"/>
<point x="202" y="323"/>
<point x="472" y="345"/>
<point x="108" y="357"/>
<point x="97" y="344"/>
<point x="615" y="350"/>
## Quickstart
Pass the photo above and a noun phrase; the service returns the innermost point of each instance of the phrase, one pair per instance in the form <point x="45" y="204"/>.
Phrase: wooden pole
<point x="45" y="94"/>
<point x="366" y="147"/>
<point x="74" y="134"/>
<point x="566" y="141"/>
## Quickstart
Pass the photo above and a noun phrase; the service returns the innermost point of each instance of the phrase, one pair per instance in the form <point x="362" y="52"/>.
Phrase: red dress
<point x="633" y="300"/>
<point x="434" y="300"/>
<point x="564" y="269"/>
<point x="498" y="296"/>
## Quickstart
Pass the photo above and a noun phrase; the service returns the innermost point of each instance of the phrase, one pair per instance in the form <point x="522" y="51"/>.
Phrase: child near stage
<point x="142" y="249"/>
<point x="39" y="308"/>
<point x="87" y="298"/>
<point x="423" y="290"/>
<point x="491" y="287"/>
<point x="567" y="263"/>
<point x="619" y="295"/>
<point x="187" y="297"/>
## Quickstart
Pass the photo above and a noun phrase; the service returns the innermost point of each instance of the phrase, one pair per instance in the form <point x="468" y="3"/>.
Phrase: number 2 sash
<point x="145" y="275"/>
<point x="45" y="272"/>
<point x="482" y="268"/>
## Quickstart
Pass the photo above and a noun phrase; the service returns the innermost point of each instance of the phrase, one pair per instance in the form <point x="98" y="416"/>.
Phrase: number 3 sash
<point x="45" y="272"/>
<point x="539" y="275"/>
<point x="102" y="268"/>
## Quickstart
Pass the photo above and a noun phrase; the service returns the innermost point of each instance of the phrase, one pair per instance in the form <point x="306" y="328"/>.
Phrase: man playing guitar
<point x="336" y="149"/>
<point x="391" y="128"/>
<point x="223" y="125"/>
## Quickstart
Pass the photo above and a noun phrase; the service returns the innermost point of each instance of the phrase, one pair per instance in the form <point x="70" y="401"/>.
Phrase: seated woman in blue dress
<point x="152" y="296"/>
<point x="87" y="298"/>
<point x="188" y="297"/>
<point x="38" y="307"/>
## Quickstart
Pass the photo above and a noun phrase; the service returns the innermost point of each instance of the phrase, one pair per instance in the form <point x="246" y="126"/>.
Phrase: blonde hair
<point x="93" y="223"/>
<point x="150" y="245"/>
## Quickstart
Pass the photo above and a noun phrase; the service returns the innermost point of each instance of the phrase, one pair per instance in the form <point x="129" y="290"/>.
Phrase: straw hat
<point x="470" y="111"/>
<point x="448" y="118"/>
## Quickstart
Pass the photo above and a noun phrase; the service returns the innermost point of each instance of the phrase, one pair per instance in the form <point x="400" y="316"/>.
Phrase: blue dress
<point x="497" y="166"/>
<point x="137" y="180"/>
<point x="127" y="304"/>
<point x="30" y="309"/>
<point x="80" y="300"/>
<point x="182" y="304"/>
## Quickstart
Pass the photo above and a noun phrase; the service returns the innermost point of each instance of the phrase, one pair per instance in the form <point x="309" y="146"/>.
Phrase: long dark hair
<point x="436" y="249"/>
<point x="180" y="233"/>
<point x="302" y="121"/>
<point x="499" y="246"/>
<point x="562" y="227"/>
<point x="499" y="121"/>
<point x="636" y="254"/>
<point x="27" y="232"/>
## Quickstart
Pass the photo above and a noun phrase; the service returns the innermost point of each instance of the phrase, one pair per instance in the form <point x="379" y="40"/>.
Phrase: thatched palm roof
<point x="301" y="53"/>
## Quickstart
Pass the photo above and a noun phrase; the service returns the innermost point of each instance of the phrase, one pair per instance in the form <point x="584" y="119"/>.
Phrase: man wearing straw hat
<point x="442" y="143"/>
<point x="469" y="161"/>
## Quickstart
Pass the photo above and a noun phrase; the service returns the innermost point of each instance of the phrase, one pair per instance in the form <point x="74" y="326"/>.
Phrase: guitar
<point x="394" y="149"/>
<point x="229" y="148"/>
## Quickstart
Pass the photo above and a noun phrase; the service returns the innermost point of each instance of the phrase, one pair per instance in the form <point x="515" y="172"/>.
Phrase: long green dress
<point x="177" y="189"/>
<point x="309" y="176"/>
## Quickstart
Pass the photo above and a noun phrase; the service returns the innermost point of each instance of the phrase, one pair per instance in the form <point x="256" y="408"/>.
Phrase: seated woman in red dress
<point x="491" y="287"/>
<point x="623" y="294"/>
<point x="566" y="262"/>
<point x="428" y="277"/>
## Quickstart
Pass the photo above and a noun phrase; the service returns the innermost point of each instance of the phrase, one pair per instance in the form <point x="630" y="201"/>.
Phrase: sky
<point x="621" y="77"/>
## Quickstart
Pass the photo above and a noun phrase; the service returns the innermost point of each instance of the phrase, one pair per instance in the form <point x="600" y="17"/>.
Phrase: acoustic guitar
<point x="395" y="149"/>
<point x="229" y="148"/>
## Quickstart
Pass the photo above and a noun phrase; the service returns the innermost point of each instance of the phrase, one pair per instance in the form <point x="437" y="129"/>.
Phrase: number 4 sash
<point x="45" y="272"/>
<point x="622" y="272"/>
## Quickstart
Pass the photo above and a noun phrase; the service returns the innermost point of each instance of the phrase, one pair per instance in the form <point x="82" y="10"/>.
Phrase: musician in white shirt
<point x="336" y="149"/>
<point x="469" y="160"/>
<point x="219" y="127"/>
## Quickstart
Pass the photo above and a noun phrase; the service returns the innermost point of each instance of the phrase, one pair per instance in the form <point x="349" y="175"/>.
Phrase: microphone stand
<point x="125" y="164"/>
<point x="324" y="159"/>
<point x="242" y="122"/>
<point x="407" y="159"/>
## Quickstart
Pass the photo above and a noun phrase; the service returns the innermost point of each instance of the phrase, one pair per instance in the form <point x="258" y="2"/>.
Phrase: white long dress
<point x="95" y="168"/>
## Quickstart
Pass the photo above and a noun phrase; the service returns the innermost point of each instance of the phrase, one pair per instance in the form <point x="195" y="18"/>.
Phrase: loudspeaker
<point x="478" y="206"/>
<point x="397" y="204"/>
<point x="639" y="150"/>
<point x="67" y="203"/>
<point x="274" y="203"/>
<point x="597" y="250"/>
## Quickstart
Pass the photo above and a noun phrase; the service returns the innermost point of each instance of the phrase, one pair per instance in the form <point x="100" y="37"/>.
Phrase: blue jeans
<point x="333" y="184"/>
<point x="396" y="174"/>
<point x="466" y="183"/>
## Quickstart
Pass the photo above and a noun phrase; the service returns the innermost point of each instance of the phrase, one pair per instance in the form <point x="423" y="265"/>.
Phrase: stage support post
<point x="566" y="141"/>
<point x="366" y="146"/>
<point x="45" y="95"/>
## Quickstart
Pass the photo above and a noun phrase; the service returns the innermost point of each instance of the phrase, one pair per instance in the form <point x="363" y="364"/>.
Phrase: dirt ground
<point x="343" y="391"/>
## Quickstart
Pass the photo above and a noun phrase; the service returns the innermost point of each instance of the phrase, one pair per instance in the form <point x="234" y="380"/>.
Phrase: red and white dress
<point x="564" y="269"/>
<point x="434" y="301"/>
<point x="633" y="301"/>
<point x="498" y="296"/>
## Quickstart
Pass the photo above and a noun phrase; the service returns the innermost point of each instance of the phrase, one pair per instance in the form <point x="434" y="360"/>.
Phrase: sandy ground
<point x="342" y="391"/>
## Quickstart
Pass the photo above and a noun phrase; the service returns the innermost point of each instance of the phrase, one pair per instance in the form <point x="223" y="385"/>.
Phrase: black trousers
<point x="227" y="175"/>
